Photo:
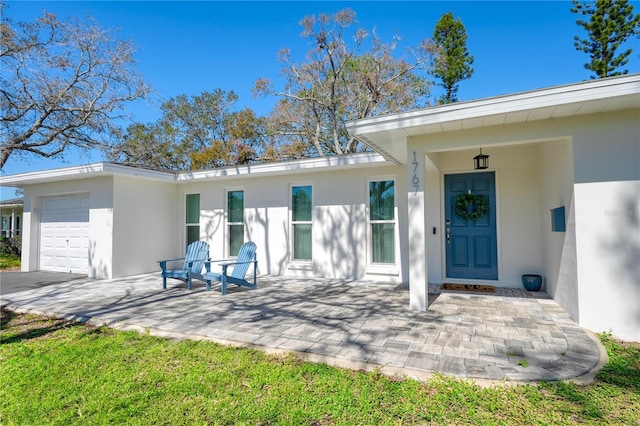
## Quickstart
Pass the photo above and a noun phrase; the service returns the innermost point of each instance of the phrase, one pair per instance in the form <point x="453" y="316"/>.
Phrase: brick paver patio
<point x="512" y="335"/>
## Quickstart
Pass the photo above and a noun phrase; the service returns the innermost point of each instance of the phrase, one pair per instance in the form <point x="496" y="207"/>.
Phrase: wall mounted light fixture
<point x="481" y="161"/>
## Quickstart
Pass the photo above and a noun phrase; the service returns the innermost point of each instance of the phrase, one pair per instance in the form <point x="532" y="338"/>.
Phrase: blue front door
<point x="471" y="245"/>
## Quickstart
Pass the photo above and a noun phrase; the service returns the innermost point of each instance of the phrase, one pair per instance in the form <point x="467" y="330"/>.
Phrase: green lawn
<point x="58" y="372"/>
<point x="9" y="262"/>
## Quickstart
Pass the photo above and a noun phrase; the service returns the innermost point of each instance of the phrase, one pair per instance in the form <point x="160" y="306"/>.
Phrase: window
<point x="382" y="221"/>
<point x="235" y="221"/>
<point x="193" y="218"/>
<point x="302" y="222"/>
<point x="6" y="226"/>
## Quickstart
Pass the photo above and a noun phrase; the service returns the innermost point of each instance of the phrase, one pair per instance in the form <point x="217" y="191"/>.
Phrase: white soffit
<point x="387" y="134"/>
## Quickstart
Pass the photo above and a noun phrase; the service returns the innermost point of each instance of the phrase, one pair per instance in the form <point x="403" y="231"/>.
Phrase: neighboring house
<point x="562" y="185"/>
<point x="11" y="213"/>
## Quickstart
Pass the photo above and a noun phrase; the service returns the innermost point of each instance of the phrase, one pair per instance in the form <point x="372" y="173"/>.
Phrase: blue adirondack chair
<point x="197" y="254"/>
<point x="246" y="257"/>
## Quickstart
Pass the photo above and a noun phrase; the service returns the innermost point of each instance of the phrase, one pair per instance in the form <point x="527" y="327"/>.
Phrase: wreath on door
<point x="471" y="206"/>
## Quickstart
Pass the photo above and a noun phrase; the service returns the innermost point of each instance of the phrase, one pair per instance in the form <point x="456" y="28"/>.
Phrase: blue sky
<point x="191" y="47"/>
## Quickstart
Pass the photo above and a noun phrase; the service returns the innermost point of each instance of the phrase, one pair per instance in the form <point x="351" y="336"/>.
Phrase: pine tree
<point x="610" y="23"/>
<point x="454" y="61"/>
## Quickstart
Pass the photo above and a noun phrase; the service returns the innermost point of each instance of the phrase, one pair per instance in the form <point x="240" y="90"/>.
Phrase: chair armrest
<point x="218" y="260"/>
<point x="235" y="263"/>
<point x="170" y="260"/>
<point x="163" y="263"/>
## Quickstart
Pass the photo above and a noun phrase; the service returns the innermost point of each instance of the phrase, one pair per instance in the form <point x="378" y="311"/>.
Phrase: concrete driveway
<point x="13" y="282"/>
<point x="349" y="324"/>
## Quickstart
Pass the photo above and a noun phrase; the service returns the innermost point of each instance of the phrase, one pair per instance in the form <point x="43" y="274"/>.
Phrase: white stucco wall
<point x="29" y="236"/>
<point x="559" y="255"/>
<point x="608" y="248"/>
<point x="607" y="222"/>
<point x="434" y="185"/>
<point x="100" y="192"/>
<point x="146" y="225"/>
<point x="607" y="147"/>
<point x="340" y="197"/>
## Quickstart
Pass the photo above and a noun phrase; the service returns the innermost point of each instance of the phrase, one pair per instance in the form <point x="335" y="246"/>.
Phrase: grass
<point x="9" y="262"/>
<point x="55" y="371"/>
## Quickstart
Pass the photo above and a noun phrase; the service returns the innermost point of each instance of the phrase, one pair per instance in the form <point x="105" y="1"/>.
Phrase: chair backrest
<point x="247" y="254"/>
<point x="197" y="250"/>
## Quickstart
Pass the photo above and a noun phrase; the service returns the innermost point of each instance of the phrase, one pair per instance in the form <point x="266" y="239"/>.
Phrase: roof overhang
<point x="14" y="202"/>
<point x="350" y="161"/>
<point x="82" y="172"/>
<point x="388" y="134"/>
<point x="307" y="165"/>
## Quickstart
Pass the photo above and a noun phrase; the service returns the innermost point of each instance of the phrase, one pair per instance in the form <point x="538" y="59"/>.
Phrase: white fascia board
<point x="82" y="172"/>
<point x="584" y="92"/>
<point x="11" y="203"/>
<point x="349" y="161"/>
<point x="140" y="172"/>
<point x="366" y="159"/>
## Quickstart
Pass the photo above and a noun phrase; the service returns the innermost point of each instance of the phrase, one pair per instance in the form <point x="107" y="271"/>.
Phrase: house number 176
<point x="415" y="180"/>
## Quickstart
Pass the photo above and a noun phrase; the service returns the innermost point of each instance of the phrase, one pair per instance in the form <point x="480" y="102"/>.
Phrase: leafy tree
<point x="195" y="132"/>
<point x="453" y="64"/>
<point x="62" y="84"/>
<point x="610" y="23"/>
<point x="240" y="143"/>
<point x="340" y="82"/>
<point x="146" y="145"/>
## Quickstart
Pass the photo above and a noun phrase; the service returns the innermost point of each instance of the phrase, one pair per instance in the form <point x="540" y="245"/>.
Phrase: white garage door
<point x="64" y="234"/>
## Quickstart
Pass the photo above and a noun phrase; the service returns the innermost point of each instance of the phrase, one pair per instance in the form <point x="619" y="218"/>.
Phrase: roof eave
<point x="388" y="134"/>
<point x="308" y="165"/>
<point x="572" y="93"/>
<point x="82" y="172"/>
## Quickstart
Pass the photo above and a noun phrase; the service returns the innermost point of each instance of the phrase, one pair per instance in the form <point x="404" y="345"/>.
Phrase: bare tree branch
<point x="63" y="84"/>
<point x="341" y="81"/>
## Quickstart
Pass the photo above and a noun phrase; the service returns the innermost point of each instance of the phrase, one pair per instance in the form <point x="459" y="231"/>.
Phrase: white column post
<point x="13" y="222"/>
<point x="418" y="285"/>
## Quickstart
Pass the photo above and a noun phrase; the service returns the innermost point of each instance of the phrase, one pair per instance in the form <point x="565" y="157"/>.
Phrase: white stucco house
<point x="562" y="185"/>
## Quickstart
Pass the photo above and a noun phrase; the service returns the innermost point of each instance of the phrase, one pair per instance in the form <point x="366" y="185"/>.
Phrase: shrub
<point x="11" y="246"/>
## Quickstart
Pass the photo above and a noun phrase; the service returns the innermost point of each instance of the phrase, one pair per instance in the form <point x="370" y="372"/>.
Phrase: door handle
<point x="448" y="233"/>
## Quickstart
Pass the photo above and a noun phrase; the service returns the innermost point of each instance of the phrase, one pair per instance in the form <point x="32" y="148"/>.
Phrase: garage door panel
<point x="77" y="243"/>
<point x="47" y="262"/>
<point x="75" y="263"/>
<point x="64" y="234"/>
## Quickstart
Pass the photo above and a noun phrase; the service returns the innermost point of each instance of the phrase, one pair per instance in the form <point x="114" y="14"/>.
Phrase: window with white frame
<point x="192" y="216"/>
<point x="6" y="226"/>
<point x="302" y="222"/>
<point x="382" y="221"/>
<point x="235" y="221"/>
<point x="9" y="228"/>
